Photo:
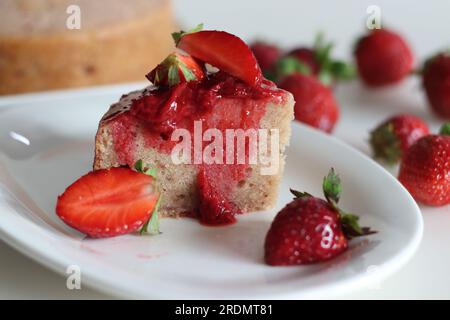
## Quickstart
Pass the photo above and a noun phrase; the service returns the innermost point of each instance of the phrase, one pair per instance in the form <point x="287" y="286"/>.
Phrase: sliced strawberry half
<point x="224" y="51"/>
<point x="108" y="202"/>
<point x="176" y="68"/>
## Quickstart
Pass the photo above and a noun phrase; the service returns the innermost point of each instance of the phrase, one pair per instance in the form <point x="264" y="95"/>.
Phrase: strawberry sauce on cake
<point x="184" y="95"/>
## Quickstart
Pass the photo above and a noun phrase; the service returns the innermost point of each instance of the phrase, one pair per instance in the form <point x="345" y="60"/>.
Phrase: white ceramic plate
<point x="46" y="142"/>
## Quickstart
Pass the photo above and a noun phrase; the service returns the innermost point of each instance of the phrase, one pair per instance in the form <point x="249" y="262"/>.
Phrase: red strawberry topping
<point x="215" y="208"/>
<point x="224" y="51"/>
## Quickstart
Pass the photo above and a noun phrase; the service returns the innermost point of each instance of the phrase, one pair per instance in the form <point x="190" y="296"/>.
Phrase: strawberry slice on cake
<point x="206" y="99"/>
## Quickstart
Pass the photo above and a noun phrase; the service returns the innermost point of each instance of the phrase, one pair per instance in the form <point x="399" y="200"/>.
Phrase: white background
<point x="424" y="23"/>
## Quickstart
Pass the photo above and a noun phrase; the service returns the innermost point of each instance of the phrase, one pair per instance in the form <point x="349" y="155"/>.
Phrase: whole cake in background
<point x="117" y="40"/>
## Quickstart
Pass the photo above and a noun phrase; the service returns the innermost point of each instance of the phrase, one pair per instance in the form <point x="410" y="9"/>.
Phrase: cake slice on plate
<point x="210" y="125"/>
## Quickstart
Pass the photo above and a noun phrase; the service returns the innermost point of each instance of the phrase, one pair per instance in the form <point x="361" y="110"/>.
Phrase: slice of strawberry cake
<point x="210" y="125"/>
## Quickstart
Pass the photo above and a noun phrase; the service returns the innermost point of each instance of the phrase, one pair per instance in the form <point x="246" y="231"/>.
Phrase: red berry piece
<point x="436" y="81"/>
<point x="425" y="169"/>
<point x="224" y="51"/>
<point x="315" y="104"/>
<point x="383" y="58"/>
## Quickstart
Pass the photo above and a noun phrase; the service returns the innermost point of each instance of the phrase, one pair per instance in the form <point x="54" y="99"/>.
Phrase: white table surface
<point x="288" y="23"/>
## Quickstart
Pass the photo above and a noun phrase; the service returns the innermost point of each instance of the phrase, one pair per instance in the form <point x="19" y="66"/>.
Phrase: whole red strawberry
<point x="383" y="57"/>
<point x="310" y="230"/>
<point x="392" y="138"/>
<point x="266" y="55"/>
<point x="425" y="169"/>
<point x="315" y="104"/>
<point x="436" y="81"/>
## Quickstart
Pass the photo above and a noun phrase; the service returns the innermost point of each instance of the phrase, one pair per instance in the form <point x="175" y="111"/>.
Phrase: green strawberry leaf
<point x="187" y="73"/>
<point x="350" y="221"/>
<point x="342" y="70"/>
<point x="332" y="187"/>
<point x="152" y="224"/>
<point x="325" y="77"/>
<point x="330" y="69"/>
<point x="139" y="165"/>
<point x="385" y="144"/>
<point x="176" y="36"/>
<point x="289" y="65"/>
<point x="322" y="53"/>
<point x="173" y="75"/>
<point x="351" y="228"/>
<point x="299" y="194"/>
<point x="445" y="129"/>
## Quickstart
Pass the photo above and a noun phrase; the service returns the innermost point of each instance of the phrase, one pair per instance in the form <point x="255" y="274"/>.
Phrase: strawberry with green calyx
<point x="320" y="63"/>
<point x="332" y="189"/>
<point x="152" y="224"/>
<point x="223" y="51"/>
<point x="391" y="139"/>
<point x="310" y="230"/>
<point x="425" y="169"/>
<point x="176" y="68"/>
